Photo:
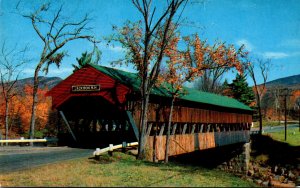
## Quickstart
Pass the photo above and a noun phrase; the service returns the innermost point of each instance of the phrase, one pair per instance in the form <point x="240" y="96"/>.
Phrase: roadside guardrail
<point x="22" y="140"/>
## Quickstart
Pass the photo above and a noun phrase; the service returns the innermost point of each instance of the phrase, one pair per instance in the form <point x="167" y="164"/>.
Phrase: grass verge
<point x="121" y="170"/>
<point x="293" y="136"/>
<point x="272" y="123"/>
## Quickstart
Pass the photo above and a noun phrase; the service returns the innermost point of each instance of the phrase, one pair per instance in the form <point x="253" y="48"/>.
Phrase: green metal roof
<point x="132" y="80"/>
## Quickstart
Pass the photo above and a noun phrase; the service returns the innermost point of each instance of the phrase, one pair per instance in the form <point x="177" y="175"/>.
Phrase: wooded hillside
<point x="20" y="109"/>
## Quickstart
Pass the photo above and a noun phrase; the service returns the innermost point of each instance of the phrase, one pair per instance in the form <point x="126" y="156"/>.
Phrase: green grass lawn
<point x="293" y="136"/>
<point x="120" y="170"/>
<point x="272" y="123"/>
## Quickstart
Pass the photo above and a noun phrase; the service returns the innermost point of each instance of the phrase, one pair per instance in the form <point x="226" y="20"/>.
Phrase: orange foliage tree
<point x="186" y="65"/>
<point x="11" y="61"/>
<point x="147" y="42"/>
<point x="294" y="97"/>
<point x="20" y="111"/>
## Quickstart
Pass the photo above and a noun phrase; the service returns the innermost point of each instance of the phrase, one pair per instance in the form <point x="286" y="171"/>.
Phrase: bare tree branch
<point x="55" y="33"/>
<point x="264" y="67"/>
<point x="10" y="62"/>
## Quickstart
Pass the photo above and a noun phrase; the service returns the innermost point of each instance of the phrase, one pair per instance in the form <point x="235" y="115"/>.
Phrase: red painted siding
<point x="110" y="89"/>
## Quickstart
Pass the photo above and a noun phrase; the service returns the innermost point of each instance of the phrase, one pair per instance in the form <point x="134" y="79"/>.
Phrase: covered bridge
<point x="102" y="106"/>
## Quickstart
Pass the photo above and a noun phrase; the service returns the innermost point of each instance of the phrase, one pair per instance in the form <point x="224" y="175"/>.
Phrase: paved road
<point x="270" y="129"/>
<point x="19" y="158"/>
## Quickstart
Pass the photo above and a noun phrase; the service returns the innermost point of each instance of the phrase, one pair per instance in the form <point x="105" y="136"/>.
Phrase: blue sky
<point x="268" y="28"/>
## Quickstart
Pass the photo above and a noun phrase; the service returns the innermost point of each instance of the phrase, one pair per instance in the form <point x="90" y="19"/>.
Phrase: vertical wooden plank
<point x="200" y="135"/>
<point x="149" y="146"/>
<point x="172" y="145"/>
<point x="157" y="147"/>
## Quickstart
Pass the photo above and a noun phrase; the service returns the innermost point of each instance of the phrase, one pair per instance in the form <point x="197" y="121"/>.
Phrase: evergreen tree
<point x="88" y="58"/>
<point x="240" y="90"/>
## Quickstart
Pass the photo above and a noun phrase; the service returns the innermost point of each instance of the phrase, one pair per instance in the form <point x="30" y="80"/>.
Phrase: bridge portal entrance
<point x="94" y="122"/>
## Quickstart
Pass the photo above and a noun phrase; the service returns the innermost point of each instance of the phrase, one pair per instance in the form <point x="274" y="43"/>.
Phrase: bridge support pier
<point x="239" y="162"/>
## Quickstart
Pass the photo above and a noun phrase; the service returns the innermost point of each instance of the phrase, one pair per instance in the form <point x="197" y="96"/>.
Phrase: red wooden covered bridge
<point x="101" y="105"/>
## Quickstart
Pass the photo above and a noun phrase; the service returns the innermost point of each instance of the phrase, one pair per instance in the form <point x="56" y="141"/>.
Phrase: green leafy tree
<point x="184" y="66"/>
<point x="240" y="90"/>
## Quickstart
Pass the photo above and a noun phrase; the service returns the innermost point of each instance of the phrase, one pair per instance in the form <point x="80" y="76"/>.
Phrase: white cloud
<point x="248" y="45"/>
<point x="275" y="55"/>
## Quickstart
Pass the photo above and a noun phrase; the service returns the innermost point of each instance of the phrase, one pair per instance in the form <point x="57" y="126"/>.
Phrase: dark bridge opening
<point x="95" y="122"/>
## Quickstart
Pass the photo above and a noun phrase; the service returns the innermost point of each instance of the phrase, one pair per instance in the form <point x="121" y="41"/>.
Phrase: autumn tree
<point x="297" y="107"/>
<point x="186" y="65"/>
<point x="275" y="90"/>
<point x="21" y="110"/>
<point x="11" y="61"/>
<point x="259" y="67"/>
<point x="210" y="81"/>
<point x="54" y="31"/>
<point x="146" y="42"/>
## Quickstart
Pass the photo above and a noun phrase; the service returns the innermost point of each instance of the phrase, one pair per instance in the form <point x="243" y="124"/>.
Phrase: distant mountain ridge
<point x="45" y="82"/>
<point x="290" y="81"/>
<point x="50" y="82"/>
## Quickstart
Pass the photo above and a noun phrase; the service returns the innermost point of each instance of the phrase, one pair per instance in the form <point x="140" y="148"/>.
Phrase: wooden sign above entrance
<point x="84" y="88"/>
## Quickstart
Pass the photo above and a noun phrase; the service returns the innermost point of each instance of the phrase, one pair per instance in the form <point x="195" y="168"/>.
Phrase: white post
<point x="110" y="151"/>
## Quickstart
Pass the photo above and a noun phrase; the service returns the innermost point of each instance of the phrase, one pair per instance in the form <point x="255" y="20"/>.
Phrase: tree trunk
<point x="1" y="137"/>
<point x="169" y="131"/>
<point x="34" y="102"/>
<point x="33" y="113"/>
<point x="258" y="103"/>
<point x="259" y="113"/>
<point x="299" y="118"/>
<point x="143" y="127"/>
<point x="6" y="119"/>
<point x="279" y="117"/>
<point x="260" y="120"/>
